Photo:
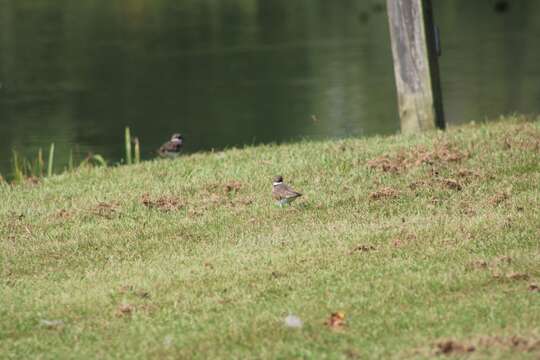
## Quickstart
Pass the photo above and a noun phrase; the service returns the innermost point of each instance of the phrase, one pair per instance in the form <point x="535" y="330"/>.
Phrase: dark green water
<point x="234" y="72"/>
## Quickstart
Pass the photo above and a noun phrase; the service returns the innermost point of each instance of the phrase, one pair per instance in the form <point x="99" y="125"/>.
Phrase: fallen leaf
<point x="336" y="320"/>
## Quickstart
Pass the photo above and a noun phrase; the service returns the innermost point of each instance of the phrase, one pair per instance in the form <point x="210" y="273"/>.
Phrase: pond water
<point x="234" y="72"/>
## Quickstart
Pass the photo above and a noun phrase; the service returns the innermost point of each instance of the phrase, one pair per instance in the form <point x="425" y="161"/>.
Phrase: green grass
<point x="190" y="258"/>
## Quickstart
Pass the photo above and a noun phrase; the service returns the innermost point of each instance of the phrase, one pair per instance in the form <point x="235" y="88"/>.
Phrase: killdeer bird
<point x="172" y="148"/>
<point x="282" y="193"/>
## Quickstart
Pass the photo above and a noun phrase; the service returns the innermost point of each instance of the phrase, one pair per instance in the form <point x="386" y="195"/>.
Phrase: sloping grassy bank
<point x="428" y="244"/>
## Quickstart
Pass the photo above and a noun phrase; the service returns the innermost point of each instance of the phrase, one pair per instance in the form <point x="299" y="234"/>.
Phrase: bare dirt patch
<point x="514" y="343"/>
<point x="405" y="159"/>
<point x="227" y="194"/>
<point x="528" y="140"/>
<point x="63" y="214"/>
<point x="517" y="276"/>
<point x="232" y="186"/>
<point x="362" y="248"/>
<point x="106" y="210"/>
<point x="131" y="290"/>
<point x="162" y="203"/>
<point x="448" y="347"/>
<point x="124" y="310"/>
<point x="478" y="264"/>
<point x="452" y="184"/>
<point x="498" y="198"/>
<point x="505" y="259"/>
<point x="404" y="238"/>
<point x="384" y="193"/>
<point x="434" y="181"/>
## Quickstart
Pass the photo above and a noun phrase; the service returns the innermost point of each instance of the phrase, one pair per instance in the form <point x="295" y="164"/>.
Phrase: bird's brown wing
<point x="283" y="191"/>
<point x="170" y="146"/>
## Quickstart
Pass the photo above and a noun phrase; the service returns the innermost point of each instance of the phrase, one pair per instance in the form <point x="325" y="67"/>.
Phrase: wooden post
<point x="416" y="66"/>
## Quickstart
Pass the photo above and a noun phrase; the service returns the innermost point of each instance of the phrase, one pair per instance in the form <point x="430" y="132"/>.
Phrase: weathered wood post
<point x="416" y="66"/>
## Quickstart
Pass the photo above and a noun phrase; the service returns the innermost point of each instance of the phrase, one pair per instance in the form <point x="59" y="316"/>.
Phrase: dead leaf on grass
<point x="336" y="321"/>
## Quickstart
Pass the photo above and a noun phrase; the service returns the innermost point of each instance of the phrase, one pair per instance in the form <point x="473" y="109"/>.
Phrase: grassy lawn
<point x="428" y="244"/>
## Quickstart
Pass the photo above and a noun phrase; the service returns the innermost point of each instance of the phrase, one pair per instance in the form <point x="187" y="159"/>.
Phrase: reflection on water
<point x="234" y="72"/>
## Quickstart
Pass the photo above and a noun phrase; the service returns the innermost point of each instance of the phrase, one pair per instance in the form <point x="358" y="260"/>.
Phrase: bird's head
<point x="177" y="137"/>
<point x="278" y="180"/>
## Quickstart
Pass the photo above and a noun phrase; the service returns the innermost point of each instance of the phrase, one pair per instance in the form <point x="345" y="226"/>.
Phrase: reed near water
<point x="24" y="169"/>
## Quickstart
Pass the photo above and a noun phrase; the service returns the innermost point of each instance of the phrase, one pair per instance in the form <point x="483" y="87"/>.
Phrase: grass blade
<point x="51" y="160"/>
<point x="40" y="164"/>
<point x="137" y="150"/>
<point x="18" y="175"/>
<point x="99" y="160"/>
<point x="70" y="160"/>
<point x="128" y="145"/>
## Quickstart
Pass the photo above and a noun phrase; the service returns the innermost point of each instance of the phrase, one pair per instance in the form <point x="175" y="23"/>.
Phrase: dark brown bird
<point x="172" y="148"/>
<point x="282" y="193"/>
